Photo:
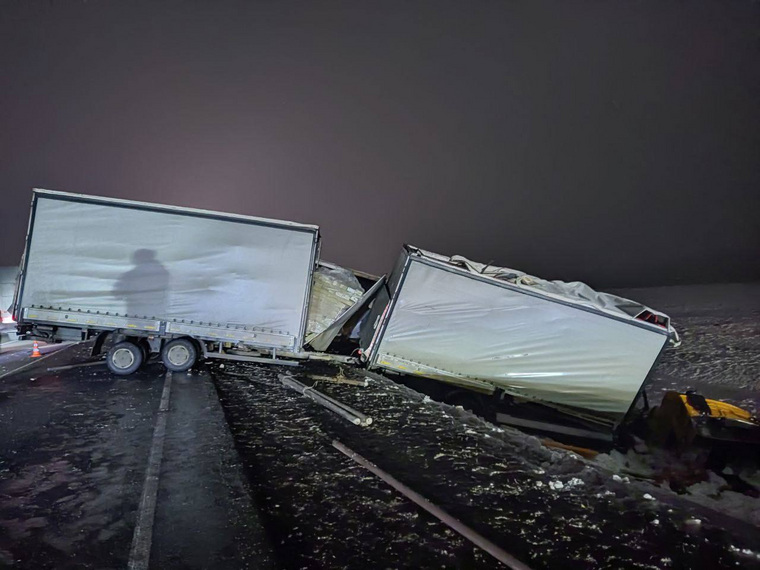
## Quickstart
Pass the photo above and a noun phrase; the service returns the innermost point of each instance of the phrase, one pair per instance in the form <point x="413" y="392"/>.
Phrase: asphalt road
<point x="74" y="452"/>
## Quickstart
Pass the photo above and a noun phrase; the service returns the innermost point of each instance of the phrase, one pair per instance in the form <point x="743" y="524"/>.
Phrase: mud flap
<point x="97" y="348"/>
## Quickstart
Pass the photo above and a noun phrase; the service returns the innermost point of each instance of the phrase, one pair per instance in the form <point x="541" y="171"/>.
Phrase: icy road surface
<point x="549" y="508"/>
<point x="74" y="448"/>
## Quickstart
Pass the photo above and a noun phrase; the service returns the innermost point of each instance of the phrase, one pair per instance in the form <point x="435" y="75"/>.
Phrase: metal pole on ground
<point x="497" y="552"/>
<point x="352" y="415"/>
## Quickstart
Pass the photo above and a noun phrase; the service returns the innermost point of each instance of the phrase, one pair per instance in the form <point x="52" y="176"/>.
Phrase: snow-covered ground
<point x="719" y="354"/>
<point x="700" y="485"/>
<point x="719" y="357"/>
<point x="548" y="507"/>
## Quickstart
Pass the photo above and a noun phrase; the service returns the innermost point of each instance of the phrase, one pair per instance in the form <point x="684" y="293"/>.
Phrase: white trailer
<point x="505" y="334"/>
<point x="183" y="282"/>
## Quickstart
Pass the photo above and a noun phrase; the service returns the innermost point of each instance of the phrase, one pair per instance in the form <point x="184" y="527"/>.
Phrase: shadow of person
<point x="144" y="288"/>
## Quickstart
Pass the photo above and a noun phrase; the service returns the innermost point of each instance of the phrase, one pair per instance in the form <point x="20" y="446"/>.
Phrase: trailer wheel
<point x="124" y="358"/>
<point x="179" y="354"/>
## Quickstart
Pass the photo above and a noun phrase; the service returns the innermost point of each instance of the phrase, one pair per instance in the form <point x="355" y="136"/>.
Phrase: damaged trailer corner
<point x="340" y="297"/>
<point x="499" y="337"/>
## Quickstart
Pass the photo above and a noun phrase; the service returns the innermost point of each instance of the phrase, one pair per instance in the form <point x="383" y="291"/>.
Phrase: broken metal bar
<point x="497" y="552"/>
<point x="354" y="416"/>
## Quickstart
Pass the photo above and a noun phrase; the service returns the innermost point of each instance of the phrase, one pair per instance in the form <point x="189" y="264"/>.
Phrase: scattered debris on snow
<point x="558" y="503"/>
<point x="744" y="552"/>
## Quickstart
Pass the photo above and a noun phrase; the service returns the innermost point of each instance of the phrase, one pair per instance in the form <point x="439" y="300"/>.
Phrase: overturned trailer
<point x="182" y="282"/>
<point x="512" y="345"/>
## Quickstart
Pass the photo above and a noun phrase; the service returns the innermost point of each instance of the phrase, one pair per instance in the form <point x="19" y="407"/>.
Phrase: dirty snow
<point x="548" y="507"/>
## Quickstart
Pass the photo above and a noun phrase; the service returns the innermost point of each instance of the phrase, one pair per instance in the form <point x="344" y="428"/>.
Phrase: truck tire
<point x="179" y="355"/>
<point x="124" y="358"/>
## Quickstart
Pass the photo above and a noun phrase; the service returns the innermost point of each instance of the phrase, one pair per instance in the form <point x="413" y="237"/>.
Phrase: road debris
<point x="497" y="552"/>
<point x="354" y="416"/>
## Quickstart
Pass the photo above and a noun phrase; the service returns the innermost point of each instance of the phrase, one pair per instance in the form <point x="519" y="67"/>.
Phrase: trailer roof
<point x="575" y="292"/>
<point x="60" y="195"/>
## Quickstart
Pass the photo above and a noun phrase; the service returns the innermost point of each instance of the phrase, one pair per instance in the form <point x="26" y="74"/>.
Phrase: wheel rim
<point x="122" y="358"/>
<point x="178" y="355"/>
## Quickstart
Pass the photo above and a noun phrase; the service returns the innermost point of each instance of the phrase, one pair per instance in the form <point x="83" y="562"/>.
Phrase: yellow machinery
<point x="696" y="405"/>
<point x="682" y="417"/>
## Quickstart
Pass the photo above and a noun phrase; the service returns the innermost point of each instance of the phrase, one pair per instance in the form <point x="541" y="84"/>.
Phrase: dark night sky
<point x="612" y="142"/>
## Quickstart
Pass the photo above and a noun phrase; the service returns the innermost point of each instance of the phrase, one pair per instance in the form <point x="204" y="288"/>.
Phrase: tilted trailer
<point x="512" y="346"/>
<point x="181" y="282"/>
<point x="191" y="284"/>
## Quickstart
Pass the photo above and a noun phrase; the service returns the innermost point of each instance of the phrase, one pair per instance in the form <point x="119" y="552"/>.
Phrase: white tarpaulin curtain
<point x="137" y="262"/>
<point x="573" y="291"/>
<point x="464" y="327"/>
